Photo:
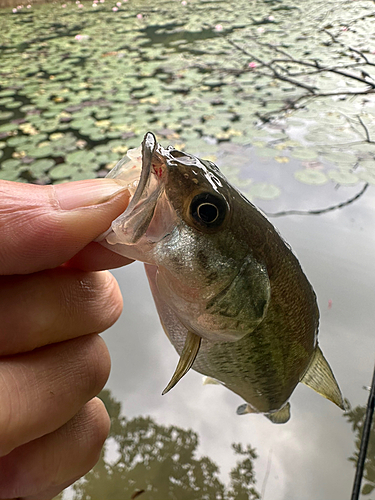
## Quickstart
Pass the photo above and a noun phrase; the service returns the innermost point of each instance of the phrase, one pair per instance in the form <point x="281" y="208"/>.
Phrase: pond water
<point x="227" y="81"/>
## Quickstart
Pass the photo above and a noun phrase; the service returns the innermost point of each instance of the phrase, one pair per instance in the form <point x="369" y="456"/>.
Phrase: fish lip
<point x="149" y="145"/>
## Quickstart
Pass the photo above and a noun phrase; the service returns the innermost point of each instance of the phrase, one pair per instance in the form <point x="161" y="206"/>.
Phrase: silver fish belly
<point x="231" y="296"/>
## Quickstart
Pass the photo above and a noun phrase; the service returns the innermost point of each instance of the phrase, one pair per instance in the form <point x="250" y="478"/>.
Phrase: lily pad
<point x="9" y="175"/>
<point x="39" y="167"/>
<point x="368" y="176"/>
<point x="36" y="152"/>
<point x="343" y="177"/>
<point x="10" y="164"/>
<point x="340" y="157"/>
<point x="304" y="154"/>
<point x="264" y="191"/>
<point x="5" y="115"/>
<point x="62" y="171"/>
<point x="311" y="177"/>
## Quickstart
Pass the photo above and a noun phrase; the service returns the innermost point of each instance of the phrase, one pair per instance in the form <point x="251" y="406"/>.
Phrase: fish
<point x="230" y="293"/>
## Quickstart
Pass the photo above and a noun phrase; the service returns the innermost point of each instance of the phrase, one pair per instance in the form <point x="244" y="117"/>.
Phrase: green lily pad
<point x="10" y="164"/>
<point x="39" y="167"/>
<point x="5" y="115"/>
<point x="340" y="157"/>
<point x="368" y="164"/>
<point x="311" y="177"/>
<point x="8" y="127"/>
<point x="304" y="154"/>
<point x="342" y="177"/>
<point x="266" y="152"/>
<point x="83" y="175"/>
<point x="36" y="152"/>
<point x="15" y="104"/>
<point x="9" y="175"/>
<point x="7" y="92"/>
<point x="368" y="176"/>
<point x="264" y="191"/>
<point x="62" y="171"/>
<point x="80" y="157"/>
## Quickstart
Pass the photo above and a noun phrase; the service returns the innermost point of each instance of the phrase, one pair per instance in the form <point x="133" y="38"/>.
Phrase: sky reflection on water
<point x="308" y="456"/>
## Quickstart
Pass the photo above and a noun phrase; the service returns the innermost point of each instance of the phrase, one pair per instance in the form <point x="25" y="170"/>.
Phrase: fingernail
<point x="80" y="194"/>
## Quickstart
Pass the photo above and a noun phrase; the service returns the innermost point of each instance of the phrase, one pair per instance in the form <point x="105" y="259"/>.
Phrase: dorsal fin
<point x="280" y="416"/>
<point x="319" y="377"/>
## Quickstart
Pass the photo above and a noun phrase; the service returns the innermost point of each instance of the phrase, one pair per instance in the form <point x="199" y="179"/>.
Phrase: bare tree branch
<point x="322" y="210"/>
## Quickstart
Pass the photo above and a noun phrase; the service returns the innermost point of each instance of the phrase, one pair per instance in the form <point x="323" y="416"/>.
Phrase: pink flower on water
<point x="218" y="27"/>
<point x="28" y="6"/>
<point x="271" y="18"/>
<point x="94" y="4"/>
<point x="118" y="4"/>
<point x="184" y="2"/>
<point x="115" y="9"/>
<point x="139" y="16"/>
<point x="80" y="6"/>
<point x="63" y="5"/>
<point x="253" y="64"/>
<point x="14" y="11"/>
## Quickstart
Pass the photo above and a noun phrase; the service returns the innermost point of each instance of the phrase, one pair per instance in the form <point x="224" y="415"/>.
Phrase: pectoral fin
<point x="188" y="355"/>
<point x="245" y="408"/>
<point x="319" y="377"/>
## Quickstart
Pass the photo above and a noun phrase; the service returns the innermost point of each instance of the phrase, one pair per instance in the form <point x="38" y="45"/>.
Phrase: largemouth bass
<point x="231" y="296"/>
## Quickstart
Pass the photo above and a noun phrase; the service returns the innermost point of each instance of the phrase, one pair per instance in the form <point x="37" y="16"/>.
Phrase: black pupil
<point x="208" y="209"/>
<point x="207" y="212"/>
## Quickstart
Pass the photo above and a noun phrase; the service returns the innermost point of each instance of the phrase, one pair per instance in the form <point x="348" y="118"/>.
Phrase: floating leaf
<point x="5" y="115"/>
<point x="36" y="152"/>
<point x="304" y="154"/>
<point x="10" y="164"/>
<point x="40" y="166"/>
<point x="9" y="175"/>
<point x="342" y="177"/>
<point x="340" y="157"/>
<point x="62" y="171"/>
<point x="8" y="127"/>
<point x="369" y="164"/>
<point x="311" y="177"/>
<point x="264" y="191"/>
<point x="368" y="176"/>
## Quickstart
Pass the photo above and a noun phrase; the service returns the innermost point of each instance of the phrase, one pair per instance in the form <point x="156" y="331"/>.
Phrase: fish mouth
<point x="130" y="226"/>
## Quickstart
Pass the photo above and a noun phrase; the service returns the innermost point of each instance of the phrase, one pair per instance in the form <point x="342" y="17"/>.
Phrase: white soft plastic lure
<point x="230" y="293"/>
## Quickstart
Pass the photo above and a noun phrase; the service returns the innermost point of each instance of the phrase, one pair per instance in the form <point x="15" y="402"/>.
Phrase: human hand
<point x="53" y="301"/>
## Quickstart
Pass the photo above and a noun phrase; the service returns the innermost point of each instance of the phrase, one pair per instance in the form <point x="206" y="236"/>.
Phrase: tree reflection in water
<point x="157" y="462"/>
<point x="356" y="416"/>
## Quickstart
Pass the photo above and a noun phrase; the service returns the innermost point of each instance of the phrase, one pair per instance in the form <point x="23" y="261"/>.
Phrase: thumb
<point x="42" y="227"/>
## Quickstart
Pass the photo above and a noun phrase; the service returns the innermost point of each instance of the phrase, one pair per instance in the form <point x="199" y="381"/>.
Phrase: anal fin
<point x="280" y="416"/>
<point x="319" y="377"/>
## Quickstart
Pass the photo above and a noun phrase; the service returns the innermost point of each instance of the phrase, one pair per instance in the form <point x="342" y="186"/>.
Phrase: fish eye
<point x="208" y="210"/>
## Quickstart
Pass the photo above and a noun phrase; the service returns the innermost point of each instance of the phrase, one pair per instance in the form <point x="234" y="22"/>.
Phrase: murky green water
<point x="280" y="95"/>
